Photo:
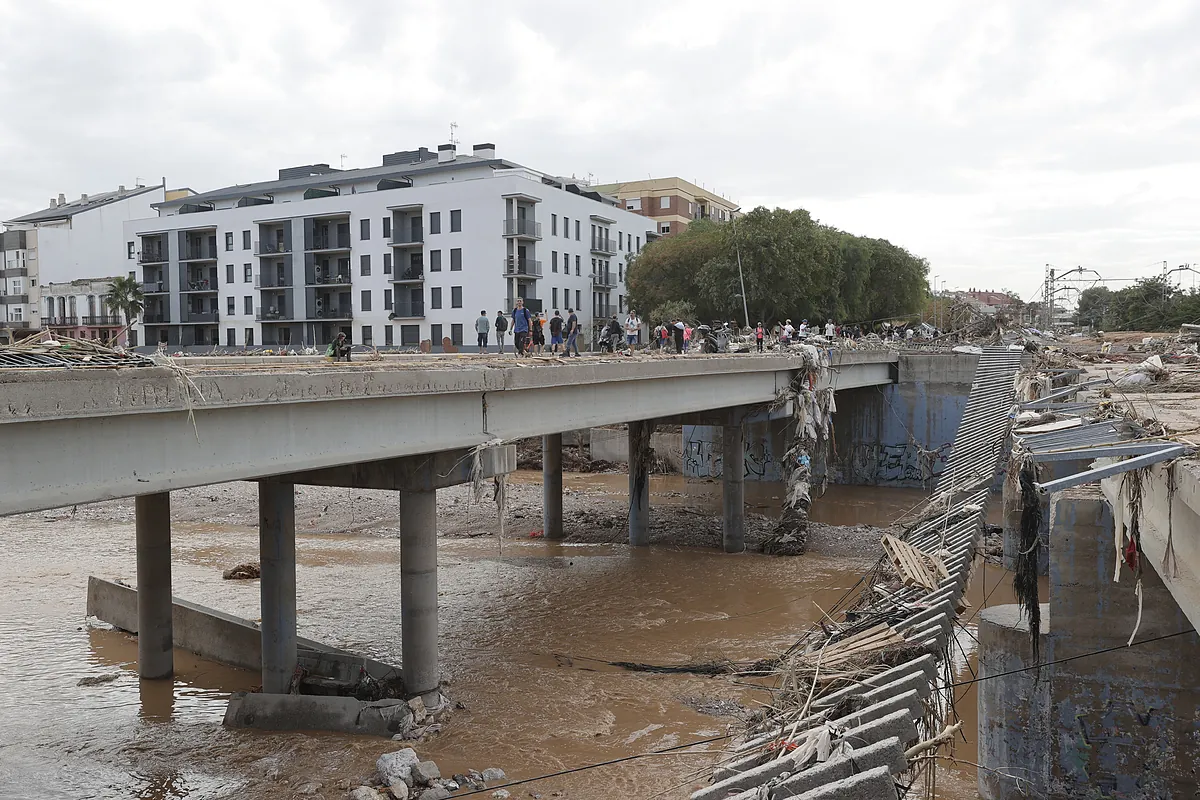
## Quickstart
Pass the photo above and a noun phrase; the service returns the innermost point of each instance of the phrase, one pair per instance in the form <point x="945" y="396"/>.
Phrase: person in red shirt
<point x="759" y="334"/>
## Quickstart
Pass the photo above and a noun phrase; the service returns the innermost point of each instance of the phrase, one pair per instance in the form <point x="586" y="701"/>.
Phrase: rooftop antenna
<point x="343" y="157"/>
<point x="453" y="138"/>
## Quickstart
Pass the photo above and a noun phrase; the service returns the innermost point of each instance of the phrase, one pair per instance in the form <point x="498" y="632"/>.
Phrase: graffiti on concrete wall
<point x="702" y="459"/>
<point x="894" y="463"/>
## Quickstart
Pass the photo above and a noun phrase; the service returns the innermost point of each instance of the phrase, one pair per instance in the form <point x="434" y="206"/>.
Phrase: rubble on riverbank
<point x="402" y="775"/>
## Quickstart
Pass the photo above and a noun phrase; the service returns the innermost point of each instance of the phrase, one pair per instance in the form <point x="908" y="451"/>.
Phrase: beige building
<point x="673" y="203"/>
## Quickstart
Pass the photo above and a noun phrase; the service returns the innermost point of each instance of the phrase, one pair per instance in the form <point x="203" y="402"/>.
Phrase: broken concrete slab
<point x="299" y="712"/>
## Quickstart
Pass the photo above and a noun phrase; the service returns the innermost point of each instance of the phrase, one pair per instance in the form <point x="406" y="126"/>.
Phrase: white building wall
<point x="91" y="244"/>
<point x="478" y="193"/>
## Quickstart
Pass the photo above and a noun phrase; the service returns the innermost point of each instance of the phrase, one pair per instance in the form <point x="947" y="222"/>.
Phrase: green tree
<point x="1092" y="304"/>
<point x="125" y="295"/>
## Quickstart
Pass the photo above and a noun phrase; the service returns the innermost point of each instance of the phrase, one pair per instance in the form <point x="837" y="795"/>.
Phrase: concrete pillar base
<point x="552" y="486"/>
<point x="418" y="592"/>
<point x="277" y="588"/>
<point x="156" y="658"/>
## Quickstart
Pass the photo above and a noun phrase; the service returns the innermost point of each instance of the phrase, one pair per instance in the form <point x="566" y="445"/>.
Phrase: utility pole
<point x="1048" y="299"/>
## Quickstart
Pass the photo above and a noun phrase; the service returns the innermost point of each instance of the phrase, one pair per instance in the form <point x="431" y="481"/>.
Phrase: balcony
<point x="332" y="279"/>
<point x="14" y="272"/>
<point x="271" y="315"/>
<point x="603" y="280"/>
<point x="268" y="249"/>
<point x="152" y="257"/>
<point x="17" y="324"/>
<point x="102" y="321"/>
<point x="337" y="312"/>
<point x="13" y="299"/>
<point x="199" y="254"/>
<point x="523" y="228"/>
<point x="522" y="267"/>
<point x="156" y="319"/>
<point x="200" y="317"/>
<point x="410" y="275"/>
<point x="408" y="311"/>
<point x="329" y="244"/>
<point x="604" y="247"/>
<point x="272" y="282"/>
<point x="409" y="238"/>
<point x="532" y="303"/>
<point x="156" y="287"/>
<point x="62" y="322"/>
<point x="202" y="286"/>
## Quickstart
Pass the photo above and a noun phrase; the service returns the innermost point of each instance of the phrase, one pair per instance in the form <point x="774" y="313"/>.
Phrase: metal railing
<point x="522" y="266"/>
<point x="62" y="322"/>
<point x="156" y="319"/>
<point x="410" y="274"/>
<point x="333" y="278"/>
<point x="268" y="249"/>
<point x="199" y="254"/>
<point x="333" y="313"/>
<point x="156" y="287"/>
<point x="14" y="299"/>
<point x="17" y="324"/>
<point x="200" y="316"/>
<point x="408" y="311"/>
<point x="271" y="315"/>
<point x="14" y="272"/>
<point x="523" y="227"/>
<point x="101" y="320"/>
<point x="152" y="257"/>
<point x="405" y="238"/>
<point x="603" y="246"/>
<point x="202" y="285"/>
<point x="272" y="282"/>
<point x="603" y="280"/>
<point x="323" y="243"/>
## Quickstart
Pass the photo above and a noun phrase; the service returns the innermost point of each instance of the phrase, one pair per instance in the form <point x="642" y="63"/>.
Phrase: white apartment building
<point x="67" y="241"/>
<point x="393" y="255"/>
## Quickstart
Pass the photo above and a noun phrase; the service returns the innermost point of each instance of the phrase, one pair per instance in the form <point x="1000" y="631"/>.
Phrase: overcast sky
<point x="989" y="140"/>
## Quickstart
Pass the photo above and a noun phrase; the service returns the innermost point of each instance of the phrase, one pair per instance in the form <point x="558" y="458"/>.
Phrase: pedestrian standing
<point x="677" y="329"/>
<point x="572" y="333"/>
<point x="632" y="326"/>
<point x="556" y="332"/>
<point x="522" y="321"/>
<point x="501" y="330"/>
<point x="539" y="334"/>
<point x="760" y="334"/>
<point x="687" y="337"/>
<point x="829" y="329"/>
<point x="483" y="326"/>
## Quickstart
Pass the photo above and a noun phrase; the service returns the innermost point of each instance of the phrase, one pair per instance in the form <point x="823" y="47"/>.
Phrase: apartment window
<point x="456" y="334"/>
<point x="248" y="305"/>
<point x="245" y="240"/>
<point x="435" y="260"/>
<point x="364" y="229"/>
<point x="387" y="263"/>
<point x="435" y="297"/>
<point x="456" y="220"/>
<point x="620" y="240"/>
<point x="634" y="204"/>
<point x="554" y="297"/>
<point x="435" y="222"/>
<point x="456" y="259"/>
<point x="435" y="333"/>
<point x="620" y="271"/>
<point x="456" y="297"/>
<point x="566" y="227"/>
<point x="387" y="331"/>
<point x="367" y="337"/>
<point x="554" y="261"/>
<point x="229" y="305"/>
<point x="364" y="263"/>
<point x="620" y="304"/>
<point x="230" y="337"/>
<point x="129" y="249"/>
<point x="387" y="302"/>
<point x="365" y="302"/>
<point x="664" y="227"/>
<point x="593" y="266"/>
<point x="229" y="273"/>
<point x="639" y="244"/>
<point x="228" y="240"/>
<point x="410" y="335"/>
<point x="247" y="273"/>
<point x="593" y="234"/>
<point x="577" y="262"/>
<point x="250" y="337"/>
<point x="553" y="231"/>
<point x="578" y="299"/>
<point x="690" y="210"/>
<point x="387" y="234"/>
<point x="664" y="202"/>
<point x="577" y="229"/>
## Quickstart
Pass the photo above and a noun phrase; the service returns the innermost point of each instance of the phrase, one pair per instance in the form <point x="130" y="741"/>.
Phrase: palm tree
<point x="125" y="295"/>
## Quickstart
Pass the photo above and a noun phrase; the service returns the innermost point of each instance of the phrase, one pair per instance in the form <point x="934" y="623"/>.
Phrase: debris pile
<point x="46" y="349"/>
<point x="402" y="775"/>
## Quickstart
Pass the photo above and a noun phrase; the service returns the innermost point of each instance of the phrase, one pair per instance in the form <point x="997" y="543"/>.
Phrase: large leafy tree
<point x="125" y="295"/>
<point x="1093" y="303"/>
<point x="793" y="266"/>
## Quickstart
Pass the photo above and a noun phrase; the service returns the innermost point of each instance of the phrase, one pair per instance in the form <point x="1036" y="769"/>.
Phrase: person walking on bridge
<point x="522" y="324"/>
<point x="572" y="333"/>
<point x="483" y="326"/>
<point x="501" y="329"/>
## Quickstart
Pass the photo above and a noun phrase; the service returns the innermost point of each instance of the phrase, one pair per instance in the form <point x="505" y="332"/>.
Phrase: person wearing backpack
<point x="501" y="330"/>
<point x="556" y="332"/>
<point x="483" y="326"/>
<point x="522" y="325"/>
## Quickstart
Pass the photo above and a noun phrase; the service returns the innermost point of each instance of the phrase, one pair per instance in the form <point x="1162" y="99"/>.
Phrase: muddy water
<point x="524" y="629"/>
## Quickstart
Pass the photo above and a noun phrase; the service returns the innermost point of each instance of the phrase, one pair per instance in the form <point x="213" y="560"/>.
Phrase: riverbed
<point x="526" y="626"/>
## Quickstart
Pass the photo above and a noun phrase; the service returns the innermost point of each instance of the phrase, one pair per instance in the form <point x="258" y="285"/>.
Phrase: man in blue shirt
<point x="521" y="319"/>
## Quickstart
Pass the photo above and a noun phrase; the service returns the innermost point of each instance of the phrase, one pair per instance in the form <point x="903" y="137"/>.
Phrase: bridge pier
<point x="552" y="488"/>
<point x="156" y="658"/>
<point x="733" y="488"/>
<point x="277" y="555"/>
<point x="418" y="592"/>
<point x="639" y="485"/>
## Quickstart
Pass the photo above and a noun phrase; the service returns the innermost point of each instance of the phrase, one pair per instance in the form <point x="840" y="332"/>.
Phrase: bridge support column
<point x="277" y="555"/>
<point x="418" y="592"/>
<point x="639" y="485"/>
<point x="733" y="488"/>
<point x="156" y="659"/>
<point x="552" y="488"/>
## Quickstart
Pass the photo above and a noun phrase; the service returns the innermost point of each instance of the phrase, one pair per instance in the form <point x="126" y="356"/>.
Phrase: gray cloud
<point x="990" y="140"/>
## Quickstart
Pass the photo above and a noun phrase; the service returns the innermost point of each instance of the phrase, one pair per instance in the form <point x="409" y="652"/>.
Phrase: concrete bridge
<point x="86" y="435"/>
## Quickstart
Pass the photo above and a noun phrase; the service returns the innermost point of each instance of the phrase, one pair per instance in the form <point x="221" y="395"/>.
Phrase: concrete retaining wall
<point x="609" y="444"/>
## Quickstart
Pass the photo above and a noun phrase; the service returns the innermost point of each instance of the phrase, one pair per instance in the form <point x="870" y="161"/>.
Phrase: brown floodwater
<point x="524" y="631"/>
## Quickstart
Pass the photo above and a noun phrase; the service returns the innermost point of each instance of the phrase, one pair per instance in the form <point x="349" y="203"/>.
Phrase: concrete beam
<point x="423" y="473"/>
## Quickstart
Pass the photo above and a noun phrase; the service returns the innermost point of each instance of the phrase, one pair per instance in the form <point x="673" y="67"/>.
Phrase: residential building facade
<point x="76" y="240"/>
<point x="78" y="309"/>
<point x="391" y="256"/>
<point x="672" y="203"/>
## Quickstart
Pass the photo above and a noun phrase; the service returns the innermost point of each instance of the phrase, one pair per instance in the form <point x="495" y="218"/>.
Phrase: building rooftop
<point x="624" y="189"/>
<point x="65" y="209"/>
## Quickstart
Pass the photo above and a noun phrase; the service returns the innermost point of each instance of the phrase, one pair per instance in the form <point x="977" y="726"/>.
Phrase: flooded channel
<point x="524" y="631"/>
